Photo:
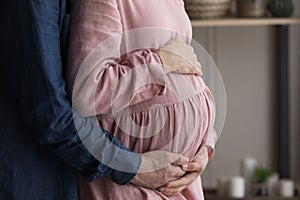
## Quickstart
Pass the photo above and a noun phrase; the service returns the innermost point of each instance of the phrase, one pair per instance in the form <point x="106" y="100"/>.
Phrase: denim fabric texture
<point x="40" y="150"/>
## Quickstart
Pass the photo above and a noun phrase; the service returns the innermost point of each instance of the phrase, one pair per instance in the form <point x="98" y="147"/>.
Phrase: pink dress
<point x="183" y="116"/>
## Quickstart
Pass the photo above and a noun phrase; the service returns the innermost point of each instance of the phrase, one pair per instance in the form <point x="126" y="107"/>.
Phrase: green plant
<point x="262" y="174"/>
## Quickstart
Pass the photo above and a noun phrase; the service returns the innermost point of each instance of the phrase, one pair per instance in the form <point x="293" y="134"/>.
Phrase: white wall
<point x="246" y="59"/>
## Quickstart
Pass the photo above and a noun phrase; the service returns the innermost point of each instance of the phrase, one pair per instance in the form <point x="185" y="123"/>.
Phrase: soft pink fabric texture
<point x="185" y="115"/>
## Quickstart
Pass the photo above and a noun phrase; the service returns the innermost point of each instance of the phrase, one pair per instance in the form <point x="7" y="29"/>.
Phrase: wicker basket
<point x="206" y="8"/>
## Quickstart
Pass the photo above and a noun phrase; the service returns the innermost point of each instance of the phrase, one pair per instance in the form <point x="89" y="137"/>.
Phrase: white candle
<point x="237" y="187"/>
<point x="286" y="188"/>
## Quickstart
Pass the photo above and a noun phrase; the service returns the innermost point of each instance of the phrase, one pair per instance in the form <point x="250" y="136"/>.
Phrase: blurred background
<point x="246" y="57"/>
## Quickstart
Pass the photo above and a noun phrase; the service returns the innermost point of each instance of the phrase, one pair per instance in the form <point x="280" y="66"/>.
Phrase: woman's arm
<point x="96" y="70"/>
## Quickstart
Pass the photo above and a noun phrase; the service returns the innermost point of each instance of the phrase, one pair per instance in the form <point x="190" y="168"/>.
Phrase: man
<point x="40" y="150"/>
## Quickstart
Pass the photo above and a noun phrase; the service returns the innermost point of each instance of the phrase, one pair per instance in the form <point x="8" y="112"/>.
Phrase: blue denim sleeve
<point x="40" y="88"/>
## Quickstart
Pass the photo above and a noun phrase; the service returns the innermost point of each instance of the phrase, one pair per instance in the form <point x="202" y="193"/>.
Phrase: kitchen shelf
<point x="223" y="22"/>
<point x="211" y="194"/>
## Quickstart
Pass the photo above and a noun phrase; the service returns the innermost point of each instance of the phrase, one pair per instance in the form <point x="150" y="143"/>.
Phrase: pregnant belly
<point x="176" y="121"/>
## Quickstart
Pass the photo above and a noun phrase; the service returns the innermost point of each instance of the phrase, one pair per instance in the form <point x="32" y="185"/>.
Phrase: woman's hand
<point x="193" y="169"/>
<point x="177" y="56"/>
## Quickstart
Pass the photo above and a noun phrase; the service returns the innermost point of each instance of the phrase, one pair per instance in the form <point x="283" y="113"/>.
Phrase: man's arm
<point x="31" y="33"/>
<point x="31" y="39"/>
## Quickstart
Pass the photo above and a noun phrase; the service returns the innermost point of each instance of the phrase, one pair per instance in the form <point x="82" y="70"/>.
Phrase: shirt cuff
<point x="105" y="155"/>
<point x="210" y="143"/>
<point x="119" y="177"/>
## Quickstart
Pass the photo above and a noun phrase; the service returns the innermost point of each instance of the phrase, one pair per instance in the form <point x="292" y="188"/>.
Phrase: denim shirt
<point x="40" y="149"/>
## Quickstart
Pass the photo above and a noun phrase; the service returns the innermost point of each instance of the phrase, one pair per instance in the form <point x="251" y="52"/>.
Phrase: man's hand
<point x="159" y="168"/>
<point x="194" y="169"/>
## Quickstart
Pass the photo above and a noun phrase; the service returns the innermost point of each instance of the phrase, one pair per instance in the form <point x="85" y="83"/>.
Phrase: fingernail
<point x="162" y="189"/>
<point x="187" y="159"/>
<point x="185" y="166"/>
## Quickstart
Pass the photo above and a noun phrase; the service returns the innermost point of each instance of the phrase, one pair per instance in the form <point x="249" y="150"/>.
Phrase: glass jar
<point x="251" y="8"/>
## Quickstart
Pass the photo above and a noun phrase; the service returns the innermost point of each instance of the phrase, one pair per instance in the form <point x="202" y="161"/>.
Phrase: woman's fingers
<point x="175" y="187"/>
<point x="184" y="181"/>
<point x="182" y="160"/>
<point x="171" y="191"/>
<point x="177" y="56"/>
<point x="197" y="165"/>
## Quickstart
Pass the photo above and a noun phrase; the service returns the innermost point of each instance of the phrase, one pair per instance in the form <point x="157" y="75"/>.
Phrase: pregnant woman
<point x="117" y="72"/>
